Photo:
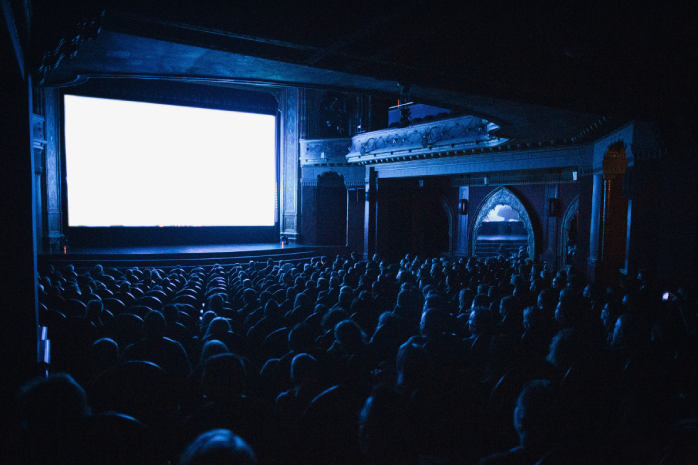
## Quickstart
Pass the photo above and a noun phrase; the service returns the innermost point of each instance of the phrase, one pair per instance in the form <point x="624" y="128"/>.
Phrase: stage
<point x="185" y="256"/>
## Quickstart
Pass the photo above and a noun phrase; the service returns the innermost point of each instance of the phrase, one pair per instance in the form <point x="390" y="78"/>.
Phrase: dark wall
<point x="677" y="223"/>
<point x="18" y="335"/>
<point x="415" y="219"/>
<point x="355" y="219"/>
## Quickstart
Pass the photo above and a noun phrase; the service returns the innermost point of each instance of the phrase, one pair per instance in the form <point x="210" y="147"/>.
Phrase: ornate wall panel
<point x="53" y="223"/>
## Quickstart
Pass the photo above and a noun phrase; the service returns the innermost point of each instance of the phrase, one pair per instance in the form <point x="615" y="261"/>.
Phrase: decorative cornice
<point x="614" y="161"/>
<point x="650" y="154"/>
<point x="68" y="47"/>
<point x="592" y="130"/>
<point x="517" y="178"/>
<point x="424" y="140"/>
<point x="324" y="152"/>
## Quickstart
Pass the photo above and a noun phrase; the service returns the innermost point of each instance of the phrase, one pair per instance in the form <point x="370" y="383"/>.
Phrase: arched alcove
<point x="569" y="232"/>
<point x="513" y="228"/>
<point x="330" y="209"/>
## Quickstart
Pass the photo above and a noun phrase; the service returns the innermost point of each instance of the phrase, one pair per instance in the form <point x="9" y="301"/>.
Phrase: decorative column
<point x="370" y="212"/>
<point x="551" y="220"/>
<point x="609" y="218"/>
<point x="38" y="150"/>
<point x="595" y="232"/>
<point x="289" y="105"/>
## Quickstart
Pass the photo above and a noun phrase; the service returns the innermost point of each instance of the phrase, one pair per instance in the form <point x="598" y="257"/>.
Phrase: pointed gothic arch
<point x="502" y="196"/>
<point x="567" y="220"/>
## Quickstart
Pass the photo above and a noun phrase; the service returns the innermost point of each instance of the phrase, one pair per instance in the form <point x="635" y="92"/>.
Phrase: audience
<point x="422" y="361"/>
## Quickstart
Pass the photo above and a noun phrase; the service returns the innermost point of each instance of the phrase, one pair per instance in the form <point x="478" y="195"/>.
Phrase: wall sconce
<point x="463" y="206"/>
<point x="574" y="175"/>
<point x="484" y="180"/>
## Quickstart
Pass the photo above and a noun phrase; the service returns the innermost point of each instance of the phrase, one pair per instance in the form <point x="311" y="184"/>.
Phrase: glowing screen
<point x="144" y="164"/>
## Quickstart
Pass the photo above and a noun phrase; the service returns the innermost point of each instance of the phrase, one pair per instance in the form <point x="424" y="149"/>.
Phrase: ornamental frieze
<point x="451" y="134"/>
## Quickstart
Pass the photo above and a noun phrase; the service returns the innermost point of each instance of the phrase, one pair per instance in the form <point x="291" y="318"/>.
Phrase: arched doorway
<point x="568" y="242"/>
<point x="501" y="225"/>
<point x="330" y="209"/>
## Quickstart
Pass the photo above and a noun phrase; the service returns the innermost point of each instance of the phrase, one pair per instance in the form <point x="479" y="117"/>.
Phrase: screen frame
<point x="179" y="94"/>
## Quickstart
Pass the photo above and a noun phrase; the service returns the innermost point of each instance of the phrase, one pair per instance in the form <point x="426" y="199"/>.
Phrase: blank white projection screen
<point x="143" y="164"/>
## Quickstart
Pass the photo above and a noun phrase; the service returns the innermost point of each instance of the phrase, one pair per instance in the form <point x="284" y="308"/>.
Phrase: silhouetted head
<point x="413" y="365"/>
<point x="304" y="370"/>
<point x="506" y="305"/>
<point x="218" y="447"/>
<point x="302" y="299"/>
<point x="171" y="314"/>
<point x="271" y="309"/>
<point x="349" y="335"/>
<point x="480" y="300"/>
<point x="434" y="323"/>
<point x="52" y="411"/>
<point x="384" y="428"/>
<point x="534" y="318"/>
<point x="104" y="354"/>
<point x="215" y="303"/>
<point x="154" y="325"/>
<point x="534" y="416"/>
<point x="480" y="321"/>
<point x="218" y="327"/>
<point x="206" y="319"/>
<point x="331" y="318"/>
<point x="224" y="377"/>
<point x="94" y="310"/>
<point x="249" y="296"/>
<point x="610" y="313"/>
<point x="626" y="333"/>
<point x="212" y="348"/>
<point x="567" y="346"/>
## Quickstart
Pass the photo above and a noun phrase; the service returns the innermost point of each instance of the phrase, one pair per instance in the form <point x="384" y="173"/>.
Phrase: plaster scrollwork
<point x="459" y="132"/>
<point x="324" y="151"/>
<point x="503" y="196"/>
<point x="68" y="47"/>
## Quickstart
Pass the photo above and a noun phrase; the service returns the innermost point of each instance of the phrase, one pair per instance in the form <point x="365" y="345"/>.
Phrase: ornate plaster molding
<point x="453" y="134"/>
<point x="324" y="152"/>
<point x="68" y="46"/>
<point x="503" y="196"/>
<point x="614" y="160"/>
